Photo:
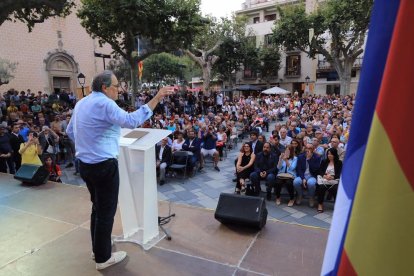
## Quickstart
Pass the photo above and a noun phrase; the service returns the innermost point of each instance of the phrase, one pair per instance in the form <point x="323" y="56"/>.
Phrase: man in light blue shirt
<point x="95" y="127"/>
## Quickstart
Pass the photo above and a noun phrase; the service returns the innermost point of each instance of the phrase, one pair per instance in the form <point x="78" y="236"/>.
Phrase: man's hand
<point x="304" y="184"/>
<point x="164" y="92"/>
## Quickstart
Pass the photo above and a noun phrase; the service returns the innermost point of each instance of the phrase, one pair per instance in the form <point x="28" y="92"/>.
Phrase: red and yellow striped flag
<point x="140" y="69"/>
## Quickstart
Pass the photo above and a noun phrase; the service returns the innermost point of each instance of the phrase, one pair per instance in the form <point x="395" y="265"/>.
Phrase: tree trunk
<point x="345" y="77"/>
<point x="134" y="80"/>
<point x="206" y="77"/>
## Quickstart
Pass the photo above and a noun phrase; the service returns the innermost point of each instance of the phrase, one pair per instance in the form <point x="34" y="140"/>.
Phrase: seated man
<point x="307" y="169"/>
<point x="192" y="144"/>
<point x="264" y="168"/>
<point x="208" y="148"/>
<point x="163" y="156"/>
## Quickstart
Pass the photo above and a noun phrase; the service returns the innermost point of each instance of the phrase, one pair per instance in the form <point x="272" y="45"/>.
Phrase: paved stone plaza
<point x="204" y="188"/>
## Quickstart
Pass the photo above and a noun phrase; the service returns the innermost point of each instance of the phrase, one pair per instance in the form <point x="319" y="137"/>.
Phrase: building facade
<point x="297" y="72"/>
<point x="50" y="57"/>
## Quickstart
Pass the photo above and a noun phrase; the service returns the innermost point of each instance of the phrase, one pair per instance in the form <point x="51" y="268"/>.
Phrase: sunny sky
<point x="220" y="8"/>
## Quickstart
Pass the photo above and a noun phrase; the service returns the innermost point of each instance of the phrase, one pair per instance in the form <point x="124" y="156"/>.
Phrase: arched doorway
<point x="62" y="71"/>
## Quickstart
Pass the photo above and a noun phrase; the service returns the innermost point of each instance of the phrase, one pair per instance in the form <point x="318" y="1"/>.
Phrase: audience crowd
<point x="303" y="152"/>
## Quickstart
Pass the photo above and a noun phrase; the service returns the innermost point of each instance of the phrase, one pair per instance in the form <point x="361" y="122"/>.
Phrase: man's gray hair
<point x="104" y="78"/>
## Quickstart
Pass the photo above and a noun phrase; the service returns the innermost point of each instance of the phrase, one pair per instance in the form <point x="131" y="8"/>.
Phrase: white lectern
<point x="138" y="186"/>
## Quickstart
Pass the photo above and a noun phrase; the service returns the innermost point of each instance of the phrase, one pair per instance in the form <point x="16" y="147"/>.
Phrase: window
<point x="293" y="65"/>
<point x="248" y="74"/>
<point x="268" y="40"/>
<point x="256" y="20"/>
<point x="270" y="17"/>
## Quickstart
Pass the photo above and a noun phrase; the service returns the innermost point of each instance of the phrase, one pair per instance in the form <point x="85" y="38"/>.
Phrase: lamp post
<point x="81" y="80"/>
<point x="307" y="84"/>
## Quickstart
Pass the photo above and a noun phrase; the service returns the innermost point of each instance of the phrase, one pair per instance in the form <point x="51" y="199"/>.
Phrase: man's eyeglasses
<point x="115" y="85"/>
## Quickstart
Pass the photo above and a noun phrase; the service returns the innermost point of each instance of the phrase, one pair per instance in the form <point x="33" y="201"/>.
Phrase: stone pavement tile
<point x="311" y="221"/>
<point x="216" y="183"/>
<point x="161" y="196"/>
<point x="185" y="195"/>
<point x="277" y="213"/>
<point x="321" y="216"/>
<point x="172" y="196"/>
<point x="228" y="190"/>
<point x="177" y="188"/>
<point x="211" y="192"/>
<point x="191" y="186"/>
<point x="165" y="188"/>
<point x="208" y="203"/>
<point x="199" y="193"/>
<point x="289" y="219"/>
<point x="289" y="209"/>
<point x="328" y="220"/>
<point x="298" y="215"/>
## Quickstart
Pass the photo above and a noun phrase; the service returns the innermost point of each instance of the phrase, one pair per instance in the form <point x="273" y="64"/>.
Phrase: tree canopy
<point x="31" y="12"/>
<point x="339" y="29"/>
<point x="166" y="25"/>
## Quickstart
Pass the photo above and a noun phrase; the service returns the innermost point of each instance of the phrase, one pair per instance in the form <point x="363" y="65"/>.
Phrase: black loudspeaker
<point x="242" y="210"/>
<point x="32" y="174"/>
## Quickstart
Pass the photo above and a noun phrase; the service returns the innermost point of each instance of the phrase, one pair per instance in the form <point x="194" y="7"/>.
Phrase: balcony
<point x="324" y="66"/>
<point x="262" y="28"/>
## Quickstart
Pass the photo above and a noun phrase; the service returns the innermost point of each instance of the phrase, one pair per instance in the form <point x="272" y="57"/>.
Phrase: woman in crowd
<point x="244" y="167"/>
<point x="328" y="177"/>
<point x="53" y="169"/>
<point x="287" y="172"/>
<point x="297" y="146"/>
<point x="261" y="138"/>
<point x="178" y="143"/>
<point x="31" y="150"/>
<point x="221" y="140"/>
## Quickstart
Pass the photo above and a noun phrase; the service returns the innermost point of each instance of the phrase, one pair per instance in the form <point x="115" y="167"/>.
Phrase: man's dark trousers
<point x="102" y="180"/>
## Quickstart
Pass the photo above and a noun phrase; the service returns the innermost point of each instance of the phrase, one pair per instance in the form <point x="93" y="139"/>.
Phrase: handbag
<point x="323" y="181"/>
<point x="285" y="176"/>
<point x="219" y="144"/>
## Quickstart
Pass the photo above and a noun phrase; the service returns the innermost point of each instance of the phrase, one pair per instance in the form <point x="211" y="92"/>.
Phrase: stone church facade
<point x="51" y="56"/>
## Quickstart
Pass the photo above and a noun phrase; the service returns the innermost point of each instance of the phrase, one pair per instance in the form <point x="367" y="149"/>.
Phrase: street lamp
<point x="81" y="80"/>
<point x="307" y="84"/>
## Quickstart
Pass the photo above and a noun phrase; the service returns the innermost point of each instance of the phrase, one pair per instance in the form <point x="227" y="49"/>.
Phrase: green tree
<point x="121" y="68"/>
<point x="162" y="66"/>
<point x="165" y="24"/>
<point x="31" y="12"/>
<point x="339" y="30"/>
<point x="230" y="60"/>
<point x="269" y="58"/>
<point x="7" y="69"/>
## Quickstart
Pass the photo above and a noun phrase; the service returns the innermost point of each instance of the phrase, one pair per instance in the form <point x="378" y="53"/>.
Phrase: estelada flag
<point x="140" y="69"/>
<point x="372" y="230"/>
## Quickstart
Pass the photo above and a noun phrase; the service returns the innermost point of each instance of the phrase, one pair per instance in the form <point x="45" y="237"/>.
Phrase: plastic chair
<point x="180" y="161"/>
